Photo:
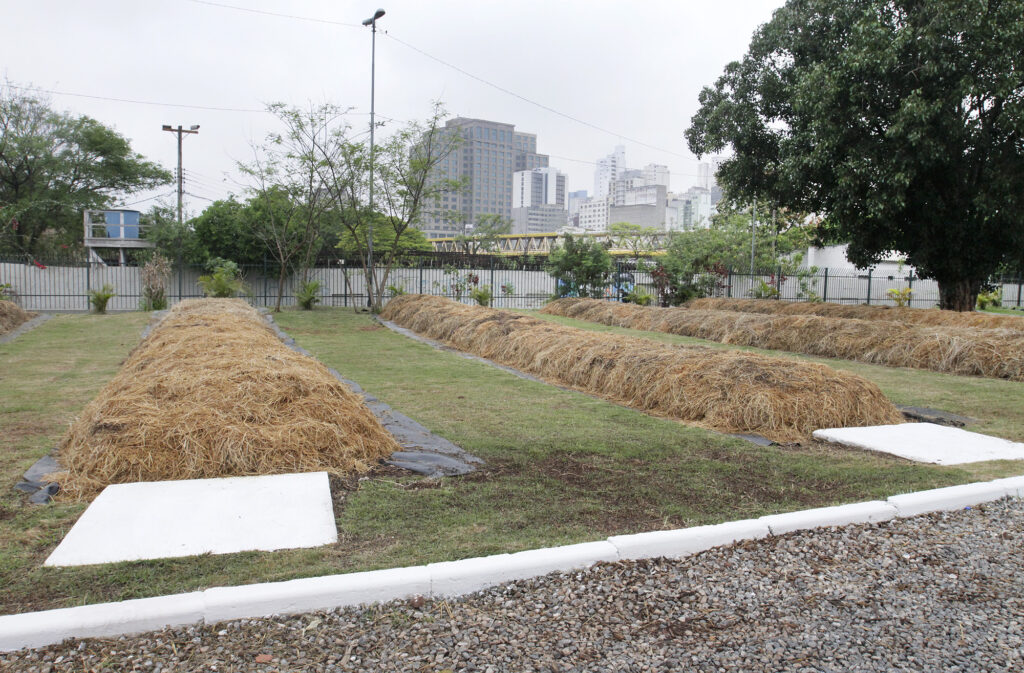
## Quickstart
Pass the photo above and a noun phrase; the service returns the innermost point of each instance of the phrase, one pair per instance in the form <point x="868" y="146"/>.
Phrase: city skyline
<point x="217" y="64"/>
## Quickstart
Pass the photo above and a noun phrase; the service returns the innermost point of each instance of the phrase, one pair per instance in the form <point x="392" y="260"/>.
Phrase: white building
<point x="656" y="174"/>
<point x="593" y="214"/>
<point x="609" y="168"/>
<point x="538" y="201"/>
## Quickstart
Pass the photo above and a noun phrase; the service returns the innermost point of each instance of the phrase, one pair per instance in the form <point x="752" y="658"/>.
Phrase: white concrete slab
<point x="163" y="519"/>
<point x="926" y="443"/>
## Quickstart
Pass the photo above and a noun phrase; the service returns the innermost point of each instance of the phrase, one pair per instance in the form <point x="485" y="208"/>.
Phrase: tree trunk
<point x="280" y="287"/>
<point x="959" y="295"/>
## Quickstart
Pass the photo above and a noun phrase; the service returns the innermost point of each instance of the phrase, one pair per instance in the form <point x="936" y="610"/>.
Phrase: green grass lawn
<point x="561" y="467"/>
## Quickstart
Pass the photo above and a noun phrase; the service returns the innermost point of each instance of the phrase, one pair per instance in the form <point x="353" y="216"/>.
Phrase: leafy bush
<point x="508" y="289"/>
<point x="901" y="297"/>
<point x="6" y="292"/>
<point x="581" y="268"/>
<point x="764" y="291"/>
<point x="639" y="296"/>
<point x="99" y="298"/>
<point x="308" y="294"/>
<point x="482" y="295"/>
<point x="224" y="281"/>
<point x="396" y="290"/>
<point x="993" y="298"/>
<point x="154" y="282"/>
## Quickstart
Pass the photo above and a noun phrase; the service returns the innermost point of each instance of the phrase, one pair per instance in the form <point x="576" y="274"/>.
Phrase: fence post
<point x="493" y="293"/>
<point x="824" y="290"/>
<point x="421" y="276"/>
<point x="1020" y="282"/>
<point x="88" y="283"/>
<point x="869" y="287"/>
<point x="728" y="287"/>
<point x="778" y="282"/>
<point x="910" y="286"/>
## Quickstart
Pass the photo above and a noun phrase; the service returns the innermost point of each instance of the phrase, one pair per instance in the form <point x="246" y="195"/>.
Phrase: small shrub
<point x="639" y="296"/>
<point x="764" y="291"/>
<point x="507" y="290"/>
<point x="482" y="295"/>
<point x="99" y="298"/>
<point x="308" y="295"/>
<point x="993" y="298"/>
<point x="396" y="290"/>
<point x="6" y="292"/>
<point x="224" y="281"/>
<point x="901" y="297"/>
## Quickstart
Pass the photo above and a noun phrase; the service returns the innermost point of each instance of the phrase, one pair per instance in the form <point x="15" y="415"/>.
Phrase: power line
<point x="136" y="102"/>
<point x="466" y="73"/>
<point x="150" y="198"/>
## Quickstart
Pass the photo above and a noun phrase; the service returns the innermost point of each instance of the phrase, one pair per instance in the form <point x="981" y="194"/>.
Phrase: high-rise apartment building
<point x="487" y="156"/>
<point x="538" y="201"/>
<point x="609" y="169"/>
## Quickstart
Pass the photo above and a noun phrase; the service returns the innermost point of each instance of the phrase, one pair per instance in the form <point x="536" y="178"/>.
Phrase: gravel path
<point x="941" y="592"/>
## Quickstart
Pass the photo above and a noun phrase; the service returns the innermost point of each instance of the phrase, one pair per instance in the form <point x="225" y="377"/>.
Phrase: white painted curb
<point x="455" y="578"/>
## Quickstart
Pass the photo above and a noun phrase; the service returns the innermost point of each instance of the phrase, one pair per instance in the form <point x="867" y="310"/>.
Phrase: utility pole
<point x="180" y="131"/>
<point x="372" y="22"/>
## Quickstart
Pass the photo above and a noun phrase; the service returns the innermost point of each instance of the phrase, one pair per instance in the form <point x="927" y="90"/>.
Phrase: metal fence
<point x="64" y="285"/>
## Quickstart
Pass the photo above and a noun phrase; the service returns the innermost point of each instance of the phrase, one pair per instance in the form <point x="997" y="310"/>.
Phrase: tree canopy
<point x="900" y="121"/>
<point x="53" y="166"/>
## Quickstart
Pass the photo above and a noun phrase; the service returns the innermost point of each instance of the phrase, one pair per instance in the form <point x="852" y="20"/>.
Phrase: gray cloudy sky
<point x="631" y="68"/>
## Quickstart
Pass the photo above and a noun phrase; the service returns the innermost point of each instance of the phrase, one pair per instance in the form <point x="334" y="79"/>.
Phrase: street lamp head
<point x="373" y="19"/>
<point x="195" y="127"/>
<point x="168" y="128"/>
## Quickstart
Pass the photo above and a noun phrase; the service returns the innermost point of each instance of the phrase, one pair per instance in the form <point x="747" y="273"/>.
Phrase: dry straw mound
<point x="915" y="316"/>
<point x="212" y="392"/>
<point x="996" y="353"/>
<point x="12" y="315"/>
<point x="724" y="390"/>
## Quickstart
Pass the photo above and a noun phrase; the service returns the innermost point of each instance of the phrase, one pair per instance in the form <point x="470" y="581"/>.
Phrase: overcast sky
<point x="632" y="69"/>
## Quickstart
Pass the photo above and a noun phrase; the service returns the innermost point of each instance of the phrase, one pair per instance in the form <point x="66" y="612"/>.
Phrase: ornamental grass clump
<point x="994" y="353"/>
<point x="729" y="391"/>
<point x="212" y="392"/>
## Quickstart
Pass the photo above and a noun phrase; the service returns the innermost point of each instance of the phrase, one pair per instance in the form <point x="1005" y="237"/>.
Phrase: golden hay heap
<point x="12" y="315"/>
<point x="917" y="316"/>
<point x="212" y="392"/>
<point x="724" y="390"/>
<point x="996" y="353"/>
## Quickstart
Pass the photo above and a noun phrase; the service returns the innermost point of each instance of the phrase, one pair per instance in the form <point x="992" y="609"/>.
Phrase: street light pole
<point x="372" y="22"/>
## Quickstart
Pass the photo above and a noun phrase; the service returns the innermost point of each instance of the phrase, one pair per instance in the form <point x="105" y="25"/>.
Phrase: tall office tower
<point x="609" y="168"/>
<point x="487" y="156"/>
<point x="656" y="174"/>
<point x="538" y="201"/>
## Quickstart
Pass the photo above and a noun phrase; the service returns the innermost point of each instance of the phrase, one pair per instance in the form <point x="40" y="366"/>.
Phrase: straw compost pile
<point x="212" y="392"/>
<point x="996" y="353"/>
<point x="725" y="390"/>
<point x="916" y="316"/>
<point x="12" y="315"/>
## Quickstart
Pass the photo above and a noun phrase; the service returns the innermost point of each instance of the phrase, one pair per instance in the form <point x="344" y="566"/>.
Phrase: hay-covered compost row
<point x="12" y="315"/>
<point x="212" y="392"/>
<point x="915" y="316"/>
<point x="725" y="390"/>
<point x="996" y="353"/>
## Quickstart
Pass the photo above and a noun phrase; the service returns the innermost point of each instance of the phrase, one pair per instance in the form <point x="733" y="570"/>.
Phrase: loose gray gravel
<point x="942" y="592"/>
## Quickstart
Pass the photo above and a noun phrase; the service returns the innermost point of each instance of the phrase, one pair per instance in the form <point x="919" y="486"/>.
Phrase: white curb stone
<point x="36" y="629"/>
<point x="315" y="593"/>
<point x="455" y="578"/>
<point x="1014" y="485"/>
<point x="949" y="498"/>
<point x="686" y="541"/>
<point x="822" y="517"/>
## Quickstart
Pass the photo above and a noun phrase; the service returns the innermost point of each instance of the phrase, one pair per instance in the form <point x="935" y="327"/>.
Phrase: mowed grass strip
<point x="561" y="467"/>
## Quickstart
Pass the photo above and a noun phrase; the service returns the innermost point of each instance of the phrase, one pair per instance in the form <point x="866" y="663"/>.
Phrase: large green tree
<point x="900" y="121"/>
<point x="53" y="165"/>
